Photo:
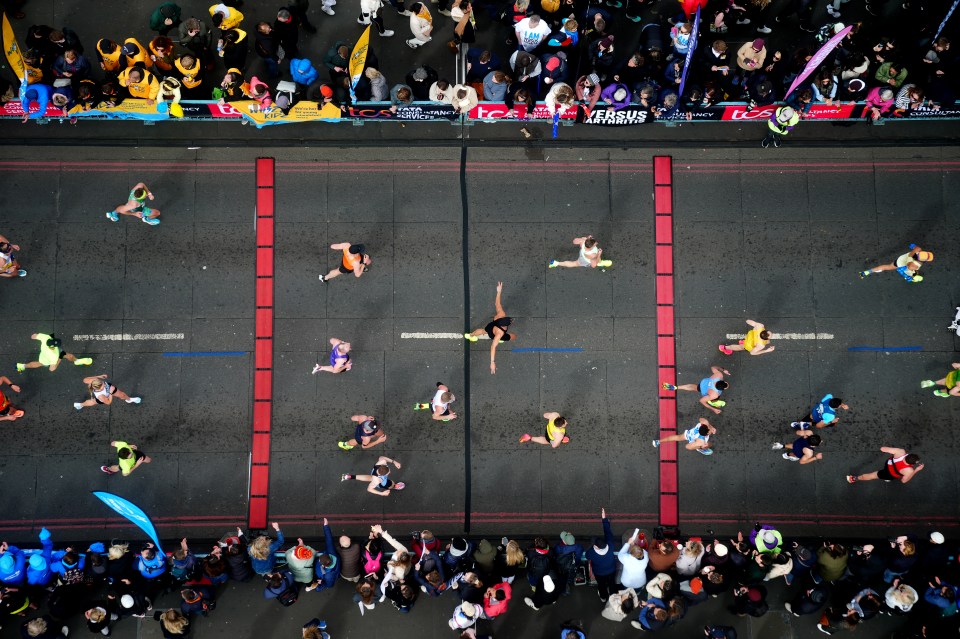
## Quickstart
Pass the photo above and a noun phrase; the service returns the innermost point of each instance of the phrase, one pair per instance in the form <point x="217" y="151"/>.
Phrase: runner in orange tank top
<point x="8" y="412"/>
<point x="354" y="261"/>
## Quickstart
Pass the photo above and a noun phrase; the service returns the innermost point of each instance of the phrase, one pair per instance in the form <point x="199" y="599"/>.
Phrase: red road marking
<point x="263" y="350"/>
<point x="666" y="336"/>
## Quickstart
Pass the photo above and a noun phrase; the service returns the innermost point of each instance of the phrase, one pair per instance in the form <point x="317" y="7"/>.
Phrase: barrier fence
<point x="601" y="115"/>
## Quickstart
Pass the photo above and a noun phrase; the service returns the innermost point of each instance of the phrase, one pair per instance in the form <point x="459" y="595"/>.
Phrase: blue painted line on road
<point x="204" y="354"/>
<point x="547" y="350"/>
<point x="886" y="349"/>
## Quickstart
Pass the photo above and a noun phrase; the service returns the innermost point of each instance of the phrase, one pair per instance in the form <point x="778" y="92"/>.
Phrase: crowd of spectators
<point x="649" y="582"/>
<point x="569" y="54"/>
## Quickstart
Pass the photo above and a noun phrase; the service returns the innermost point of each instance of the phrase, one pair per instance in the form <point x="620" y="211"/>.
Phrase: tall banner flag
<point x="944" y="23"/>
<point x="690" y="50"/>
<point x="12" y="49"/>
<point x="132" y="512"/>
<point x="818" y="58"/>
<point x="358" y="59"/>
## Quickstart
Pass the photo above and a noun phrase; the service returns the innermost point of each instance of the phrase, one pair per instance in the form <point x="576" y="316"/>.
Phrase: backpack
<point x="567" y="562"/>
<point x="289" y="596"/>
<point x="538" y="564"/>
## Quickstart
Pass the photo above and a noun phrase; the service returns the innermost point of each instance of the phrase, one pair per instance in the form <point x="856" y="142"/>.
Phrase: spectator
<point x="891" y="74"/>
<point x="588" y="90"/>
<point x="568" y="556"/>
<point x="440" y="92"/>
<point x="190" y="73"/>
<point x="554" y="67"/>
<point x="495" y="86"/>
<point x="183" y="563"/>
<point x="234" y="49"/>
<point x="634" y="561"/>
<point x="900" y="597"/>
<point x="901" y="558"/>
<point x="327" y="565"/>
<point x="480" y="62"/>
<point x="510" y="558"/>
<point x="831" y="562"/>
<point x="689" y="559"/>
<point x="910" y="98"/>
<point x="197" y="600"/>
<point x="300" y="560"/>
<point x="262" y="550"/>
<point x="496" y="600"/>
<point x="173" y="623"/>
<point x="420" y="80"/>
<point x="620" y="605"/>
<point x="225" y="17"/>
<point x="601" y="55"/>
<point x="526" y="69"/>
<point x="370" y="12"/>
<point x="824" y="87"/>
<point x="458" y="557"/>
<point x="266" y="46"/>
<point x="71" y="66"/>
<point x="751" y="55"/>
<point x="161" y="53"/>
<point x="196" y="38"/>
<point x="421" y="25"/>
<point x="302" y="72"/>
<point x="749" y="600"/>
<point x="808" y="601"/>
<point x="379" y="89"/>
<point x="287" y="32"/>
<point x="279" y="584"/>
<point x="663" y="554"/>
<point x="531" y="32"/>
<point x="337" y="61"/>
<point x="165" y="18"/>
<point x="349" y="552"/>
<point x="539" y="560"/>
<point x="653" y="616"/>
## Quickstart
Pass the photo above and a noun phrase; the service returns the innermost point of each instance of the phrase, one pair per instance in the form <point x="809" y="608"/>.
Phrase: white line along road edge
<point x="127" y="337"/>
<point x="786" y="336"/>
<point x="436" y="336"/>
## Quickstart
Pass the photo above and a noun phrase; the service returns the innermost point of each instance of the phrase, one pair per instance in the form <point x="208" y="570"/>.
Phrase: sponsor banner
<point x="306" y="111"/>
<point x="926" y="113"/>
<point x="127" y="110"/>
<point x="742" y="112"/>
<point x="415" y="111"/>
<point x="132" y="512"/>
<point x="12" y="49"/>
<point x="499" y="110"/>
<point x="608" y="116"/>
<point x="14" y="110"/>
<point x="818" y="58"/>
<point x="358" y="59"/>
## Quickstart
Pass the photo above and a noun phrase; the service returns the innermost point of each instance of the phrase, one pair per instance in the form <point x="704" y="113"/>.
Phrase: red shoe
<point x="399" y="485"/>
<point x="725" y="350"/>
<point x="565" y="440"/>
<point x="107" y="470"/>
<point x="525" y="438"/>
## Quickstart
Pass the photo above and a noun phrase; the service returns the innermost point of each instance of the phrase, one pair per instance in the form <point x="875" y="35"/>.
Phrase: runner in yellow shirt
<point x="755" y="342"/>
<point x="51" y="354"/>
<point x="556" y="432"/>
<point x="128" y="459"/>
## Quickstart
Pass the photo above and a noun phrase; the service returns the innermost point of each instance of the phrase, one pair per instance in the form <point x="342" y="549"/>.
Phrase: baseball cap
<point x="129" y="49"/>
<point x="720" y="550"/>
<point x="302" y="552"/>
<point x="37" y="562"/>
<point x="937" y="538"/>
<point x="567" y="538"/>
<point x="458" y="547"/>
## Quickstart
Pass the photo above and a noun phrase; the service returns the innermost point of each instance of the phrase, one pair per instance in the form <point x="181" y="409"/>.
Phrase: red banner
<point x="499" y="110"/>
<point x="817" y="112"/>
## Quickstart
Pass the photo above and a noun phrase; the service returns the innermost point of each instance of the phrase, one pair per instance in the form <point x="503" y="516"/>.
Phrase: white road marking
<point x="436" y="336"/>
<point x="127" y="337"/>
<point x="786" y="336"/>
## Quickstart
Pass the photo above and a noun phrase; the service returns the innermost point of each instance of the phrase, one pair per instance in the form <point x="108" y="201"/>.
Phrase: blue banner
<point x="132" y="512"/>
<point x="693" y="47"/>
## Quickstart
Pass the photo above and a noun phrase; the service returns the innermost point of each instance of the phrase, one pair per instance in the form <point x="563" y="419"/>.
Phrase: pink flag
<point x="817" y="59"/>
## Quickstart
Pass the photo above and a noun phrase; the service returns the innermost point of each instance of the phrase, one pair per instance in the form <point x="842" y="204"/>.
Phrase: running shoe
<point x="77" y="405"/>
<point x="851" y="479"/>
<point x="471" y="338"/>
<point x="656" y="443"/>
<point x="20" y="367"/>
<point x="112" y="216"/>
<point x="83" y="361"/>
<point x="312" y="586"/>
<point x="552" y="264"/>
<point x="387" y="33"/>
<point x="346" y="477"/>
<point x="800" y="425"/>
<point x="152" y="221"/>
<point x="668" y="386"/>
<point x="927" y="383"/>
<point x="705" y="451"/>
<point x="106" y="469"/>
<point x="941" y="393"/>
<point x="725" y="350"/>
<point x="777" y="446"/>
<point x="134" y="400"/>
<point x="316" y="369"/>
<point x="21" y="273"/>
<point x="789" y="457"/>
<point x="717" y="403"/>
<point x="743" y="21"/>
<point x="764" y="29"/>
<point x="916" y="279"/>
<point x="419" y="406"/>
<point x="322" y="279"/>
<point x="525" y="438"/>
<point x="565" y="440"/>
<point x="864" y="274"/>
<point x="345" y="446"/>
<point x="605" y="263"/>
<point x="399" y="485"/>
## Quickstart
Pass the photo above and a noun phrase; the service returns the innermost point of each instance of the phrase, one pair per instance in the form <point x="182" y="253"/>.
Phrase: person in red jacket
<point x="496" y="600"/>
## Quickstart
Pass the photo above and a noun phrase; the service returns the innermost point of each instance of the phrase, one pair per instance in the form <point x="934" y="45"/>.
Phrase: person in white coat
<point x="421" y="25"/>
<point x="370" y="12"/>
<point x="559" y="98"/>
<point x="634" y="561"/>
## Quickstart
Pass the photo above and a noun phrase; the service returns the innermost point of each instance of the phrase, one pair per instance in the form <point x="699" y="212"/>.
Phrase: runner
<point x="354" y="260"/>
<point x="907" y="265"/>
<point x="440" y="404"/>
<point x="339" y="358"/>
<point x="9" y="265"/>
<point x="136" y="206"/>
<point x="496" y="330"/>
<point x="8" y="412"/>
<point x="590" y="253"/>
<point x="802" y="449"/>
<point x="754" y="342"/>
<point x="710" y="389"/>
<point x="900" y="466"/>
<point x="367" y="433"/>
<point x="824" y="414"/>
<point x="949" y="383"/>
<point x="102" y="392"/>
<point x="51" y="354"/>
<point x="555" y="434"/>
<point x="379" y="478"/>
<point x="128" y="459"/>
<point x="697" y="437"/>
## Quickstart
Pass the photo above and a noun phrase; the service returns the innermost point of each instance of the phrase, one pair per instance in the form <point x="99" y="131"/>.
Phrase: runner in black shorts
<point x="102" y="392"/>
<point x="900" y="467"/>
<point x="496" y="330"/>
<point x="354" y="260"/>
<point x="367" y="433"/>
<point x="379" y="478"/>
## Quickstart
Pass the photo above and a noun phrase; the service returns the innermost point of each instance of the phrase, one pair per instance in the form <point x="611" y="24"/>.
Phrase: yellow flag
<point x="12" y="49"/>
<point x="358" y="58"/>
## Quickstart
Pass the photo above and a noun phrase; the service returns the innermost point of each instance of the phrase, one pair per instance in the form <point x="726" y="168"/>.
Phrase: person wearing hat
<point x="51" y="354"/>
<point x="39" y="571"/>
<point x="751" y="55"/>
<point x="134" y="54"/>
<point x="749" y="600"/>
<point x="548" y="588"/>
<point x="367" y="433"/>
<point x="907" y="265"/>
<point x="458" y="558"/>
<point x="225" y="17"/>
<point x="781" y="122"/>
<point x="588" y="91"/>
<point x="808" y="601"/>
<point x="464" y="616"/>
<point x="133" y="602"/>
<point x="554" y="67"/>
<point x="13" y="562"/>
<point x="567" y="557"/>
<point x="164" y="18"/>
<point x="300" y="560"/>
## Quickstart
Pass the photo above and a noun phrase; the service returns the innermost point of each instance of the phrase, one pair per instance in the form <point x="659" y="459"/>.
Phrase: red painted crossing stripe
<point x="263" y="351"/>
<point x="666" y="337"/>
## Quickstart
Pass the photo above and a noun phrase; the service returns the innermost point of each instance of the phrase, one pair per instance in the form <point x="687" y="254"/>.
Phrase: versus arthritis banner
<point x="132" y="512"/>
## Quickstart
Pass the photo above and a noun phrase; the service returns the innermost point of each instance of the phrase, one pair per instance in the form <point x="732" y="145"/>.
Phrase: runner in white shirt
<point x="440" y="404"/>
<point x="590" y="253"/>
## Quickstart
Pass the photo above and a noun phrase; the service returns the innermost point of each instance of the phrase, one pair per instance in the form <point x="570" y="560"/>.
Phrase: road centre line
<point x="128" y="337"/>
<point x="786" y="336"/>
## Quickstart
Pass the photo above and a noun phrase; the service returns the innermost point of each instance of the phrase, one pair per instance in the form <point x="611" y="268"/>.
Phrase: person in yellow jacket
<point x="108" y="53"/>
<point x="225" y="17"/>
<point x="781" y="123"/>
<point x="190" y="73"/>
<point x="33" y="66"/>
<point x="161" y="52"/>
<point x="140" y="83"/>
<point x="134" y="54"/>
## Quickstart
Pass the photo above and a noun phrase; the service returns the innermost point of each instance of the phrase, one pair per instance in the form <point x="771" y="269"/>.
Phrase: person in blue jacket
<point x="39" y="93"/>
<point x="150" y="563"/>
<point x="943" y="596"/>
<point x="278" y="583"/>
<point x="302" y="71"/>
<point x="39" y="572"/>
<point x="428" y="572"/>
<point x="262" y="552"/>
<point x="12" y="565"/>
<point x="603" y="559"/>
<point x="568" y="556"/>
<point x="327" y="566"/>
